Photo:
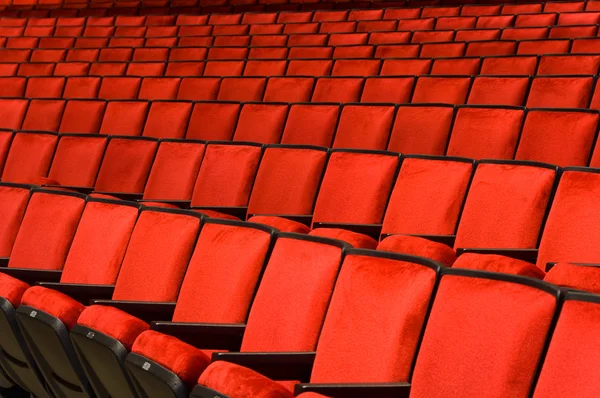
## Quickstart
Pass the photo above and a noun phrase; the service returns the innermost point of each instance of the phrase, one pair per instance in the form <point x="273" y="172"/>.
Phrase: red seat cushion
<point x="12" y="289"/>
<point x="239" y="382"/>
<point x="186" y="361"/>
<point x="575" y="276"/>
<point x="281" y="224"/>
<point x="417" y="246"/>
<point x="358" y="241"/>
<point x="114" y="323"/>
<point x="54" y="303"/>
<point x="496" y="263"/>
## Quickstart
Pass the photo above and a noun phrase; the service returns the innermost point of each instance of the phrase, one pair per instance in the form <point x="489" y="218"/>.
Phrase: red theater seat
<point x="213" y="121"/>
<point x="450" y="90"/>
<point x="364" y="127"/>
<point x="124" y="118"/>
<point x="29" y="158"/>
<point x="498" y="90"/>
<point x="271" y="118"/>
<point x="311" y="124"/>
<point x="167" y="119"/>
<point x="560" y="92"/>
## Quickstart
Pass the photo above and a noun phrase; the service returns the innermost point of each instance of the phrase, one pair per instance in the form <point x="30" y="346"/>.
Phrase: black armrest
<point x="80" y="292"/>
<point x="124" y="195"/>
<point x="306" y="220"/>
<point x="182" y="204"/>
<point x="4" y="261"/>
<point x="31" y="276"/>
<point x="551" y="265"/>
<point x="239" y="212"/>
<point x="529" y="255"/>
<point x="274" y="365"/>
<point x="83" y="190"/>
<point x="146" y="311"/>
<point x="371" y="390"/>
<point x="204" y="335"/>
<point x="372" y="230"/>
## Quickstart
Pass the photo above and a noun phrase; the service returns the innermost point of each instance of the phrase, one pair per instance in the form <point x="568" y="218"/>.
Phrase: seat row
<point x="287" y="299"/>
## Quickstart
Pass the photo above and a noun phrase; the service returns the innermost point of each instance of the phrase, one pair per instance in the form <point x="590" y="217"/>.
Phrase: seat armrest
<point x="83" y="190"/>
<point x="379" y="390"/>
<point x="239" y="212"/>
<point x="4" y="262"/>
<point x="146" y="311"/>
<point x="372" y="230"/>
<point x="80" y="292"/>
<point x="182" y="204"/>
<point x="274" y="365"/>
<point x="529" y="255"/>
<point x="124" y="195"/>
<point x="32" y="276"/>
<point x="204" y="335"/>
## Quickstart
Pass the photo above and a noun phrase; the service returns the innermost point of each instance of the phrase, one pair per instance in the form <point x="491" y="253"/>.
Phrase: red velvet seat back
<point x="47" y="230"/>
<point x="223" y="273"/>
<point x="157" y="256"/>
<point x="13" y="202"/>
<point x="174" y="170"/>
<point x="497" y="326"/>
<point x="29" y="157"/>
<point x="364" y="127"/>
<point x="100" y="242"/>
<point x="77" y="160"/>
<point x="287" y="181"/>
<point x="560" y="92"/>
<point x="375" y="319"/>
<point x="505" y="206"/>
<point x="44" y="114"/>
<point x="167" y="119"/>
<point x="271" y="118"/>
<point x="311" y="124"/>
<point x="428" y="197"/>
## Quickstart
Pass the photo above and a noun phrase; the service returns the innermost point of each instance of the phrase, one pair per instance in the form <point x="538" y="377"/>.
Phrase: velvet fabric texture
<point x="293" y="297"/>
<point x="13" y="202"/>
<point x="5" y="142"/>
<point x="72" y="123"/>
<point x="490" y="48"/>
<point x="417" y="246"/>
<point x="355" y="239"/>
<point x="486" y="133"/>
<point x="29" y="157"/>
<point x="289" y="89"/>
<point x="126" y="165"/>
<point x="124" y="118"/>
<point x="355" y="188"/>
<point x="54" y="303"/>
<point x="186" y="361"/>
<point x="271" y="118"/>
<point x="77" y="160"/>
<point x="508" y="91"/>
<point x="421" y="130"/>
<point x="427" y="197"/>
<point x="356" y="67"/>
<point x="113" y="322"/>
<point x="449" y="90"/>
<point x="174" y="171"/>
<point x="366" y="307"/>
<point x="496" y="263"/>
<point x="311" y="124"/>
<point x="497" y="329"/>
<point x="344" y="89"/>
<point x="167" y="120"/>
<point x="225" y="269"/>
<point x="46" y="231"/>
<point x="281" y="224"/>
<point x="216" y="214"/>
<point x="364" y="127"/>
<point x="159" y="88"/>
<point x="388" y="89"/>
<point x="241" y="89"/>
<point x="456" y="66"/>
<point x="43" y="114"/>
<point x="571" y="365"/>
<point x="399" y="67"/>
<point x="572" y="65"/>
<point x="505" y="206"/>
<point x="119" y="88"/>
<point x="239" y="382"/>
<point x="99" y="244"/>
<point x="567" y="143"/>
<point x="287" y="181"/>
<point x="575" y="276"/>
<point x="213" y="121"/>
<point x="560" y="92"/>
<point x="198" y="88"/>
<point x="160" y="247"/>
<point x="509" y="65"/>
<point x="571" y="232"/>
<point x="226" y="175"/>
<point x="12" y="289"/>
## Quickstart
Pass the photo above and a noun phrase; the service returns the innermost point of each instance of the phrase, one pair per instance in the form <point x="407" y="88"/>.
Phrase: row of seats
<point x="202" y="286"/>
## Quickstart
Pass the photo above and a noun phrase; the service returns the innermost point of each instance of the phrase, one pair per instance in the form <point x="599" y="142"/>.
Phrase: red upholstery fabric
<point x="388" y="89"/>
<point x="509" y="65"/>
<point x="99" y="244"/>
<point x="355" y="188"/>
<point x="281" y="224"/>
<point x="13" y="202"/>
<point x="571" y="364"/>
<point x="427" y="197"/>
<point x="224" y="270"/>
<point x="160" y="247"/>
<point x="421" y="130"/>
<point x="507" y="91"/>
<point x="572" y="65"/>
<point x="560" y="92"/>
<point x="77" y="160"/>
<point x="270" y="117"/>
<point x="226" y="175"/>
<point x="371" y="333"/>
<point x="12" y="289"/>
<point x="364" y="127"/>
<point x="355" y="239"/>
<point x="54" y="303"/>
<point x="6" y="138"/>
<point x="239" y="382"/>
<point x="72" y="123"/>
<point x="505" y="206"/>
<point x="311" y="124"/>
<point x="29" y="157"/>
<point x="186" y="361"/>
<point x="46" y="231"/>
<point x="575" y="276"/>
<point x="12" y="113"/>
<point x="417" y="246"/>
<point x="287" y="181"/>
<point x="43" y="115"/>
<point x="289" y="89"/>
<point x="174" y="171"/>
<point x="216" y="214"/>
<point x="124" y="118"/>
<point x="213" y="121"/>
<point x="114" y="323"/>
<point x="311" y="395"/>
<point x="450" y="90"/>
<point x="167" y="119"/>
<point x="293" y="296"/>
<point x="571" y="228"/>
<point x="496" y="263"/>
<point x="497" y="329"/>
<point x="344" y="89"/>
